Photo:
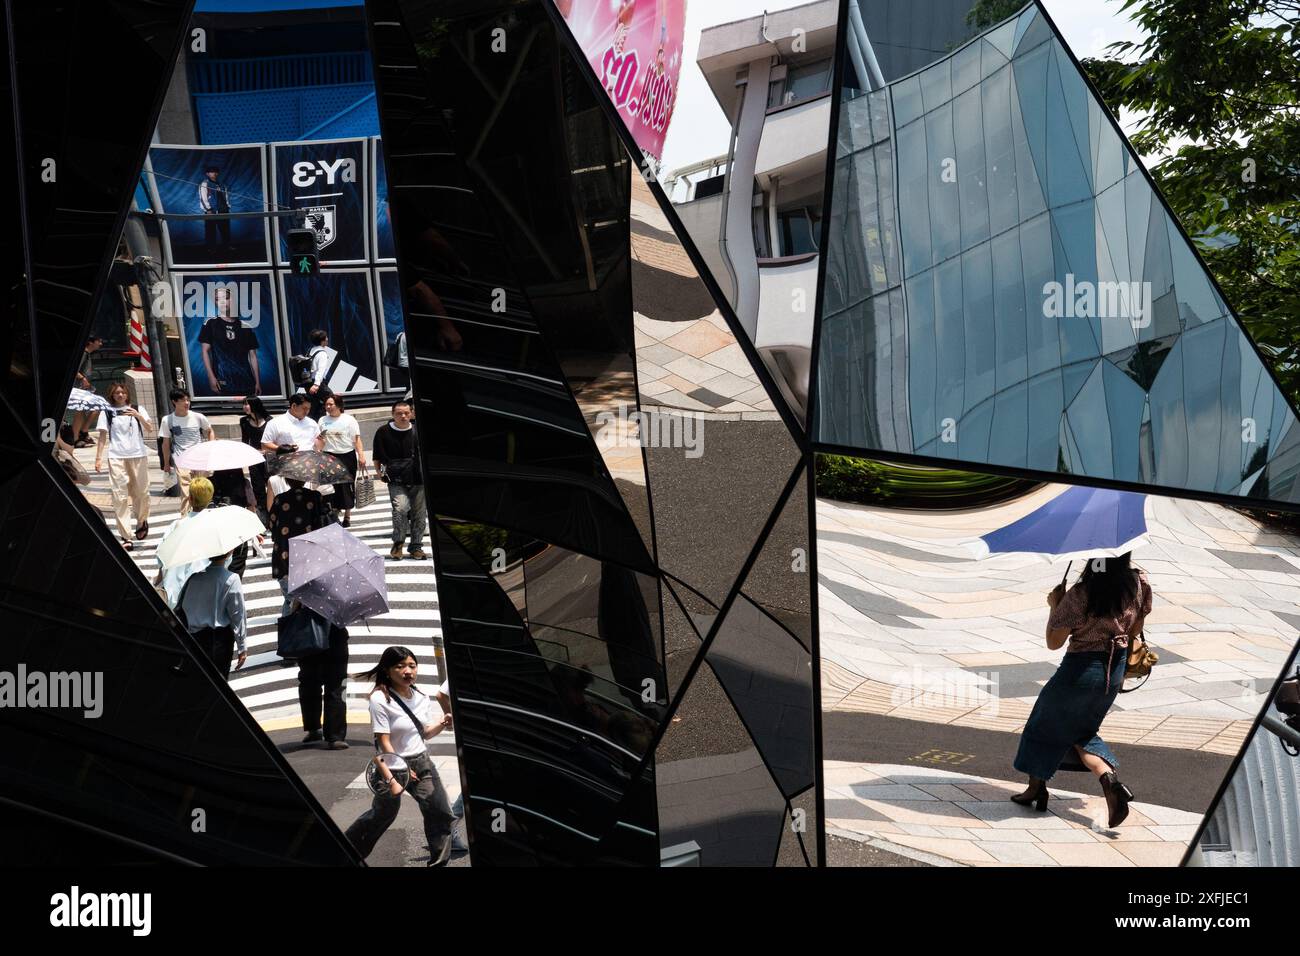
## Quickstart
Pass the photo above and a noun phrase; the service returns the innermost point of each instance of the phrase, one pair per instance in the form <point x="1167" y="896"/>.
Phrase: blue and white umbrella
<point x="1078" y="523"/>
<point x="80" y="400"/>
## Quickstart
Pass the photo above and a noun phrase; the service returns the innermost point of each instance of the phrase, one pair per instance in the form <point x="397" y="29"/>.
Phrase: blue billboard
<point x="228" y="324"/>
<point x="205" y="181"/>
<point x="327" y="180"/>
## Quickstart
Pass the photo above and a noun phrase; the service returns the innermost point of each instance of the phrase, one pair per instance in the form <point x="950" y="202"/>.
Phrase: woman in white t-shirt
<point x="340" y="436"/>
<point x="402" y="719"/>
<point x="121" y="432"/>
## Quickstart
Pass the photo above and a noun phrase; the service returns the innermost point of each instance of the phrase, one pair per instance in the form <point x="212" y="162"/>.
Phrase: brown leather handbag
<point x="1140" y="661"/>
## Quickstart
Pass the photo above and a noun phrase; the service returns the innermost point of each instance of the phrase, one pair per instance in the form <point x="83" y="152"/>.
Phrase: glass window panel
<point x="1044" y="422"/>
<point x="869" y="211"/>
<point x="1125" y="403"/>
<point x="1137" y="212"/>
<point x="945" y="208"/>
<point x="898" y="377"/>
<point x="809" y="80"/>
<point x="1031" y="93"/>
<point x="1169" y="421"/>
<point x="972" y="177"/>
<point x="1109" y="151"/>
<point x="907" y="100"/>
<point x="936" y="85"/>
<point x="981" y="328"/>
<point x="1003" y="38"/>
<point x="922" y="355"/>
<point x="1203" y="373"/>
<point x="888" y="229"/>
<point x="966" y="67"/>
<point x="1091" y="427"/>
<point x="914" y="197"/>
<point x="990" y="59"/>
<point x="999" y="145"/>
<point x="879" y="100"/>
<point x="1158" y="270"/>
<point x="950" y="339"/>
<point x="855" y="125"/>
<point x="1009" y="310"/>
<point x="1007" y="437"/>
<point x="1035" y="33"/>
<point x="1079" y="338"/>
<point x="1067" y="181"/>
<point x="1077" y="109"/>
<point x="973" y="432"/>
<point x="1042" y="333"/>
<point x="1197" y="301"/>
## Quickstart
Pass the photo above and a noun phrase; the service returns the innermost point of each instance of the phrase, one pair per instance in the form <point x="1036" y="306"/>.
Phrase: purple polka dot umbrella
<point x="337" y="575"/>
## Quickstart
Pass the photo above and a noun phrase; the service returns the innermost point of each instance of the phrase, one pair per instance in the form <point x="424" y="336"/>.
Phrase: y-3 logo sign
<point x="308" y="172"/>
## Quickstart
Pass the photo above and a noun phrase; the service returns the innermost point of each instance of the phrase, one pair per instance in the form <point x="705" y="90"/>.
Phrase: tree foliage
<point x="1217" y="84"/>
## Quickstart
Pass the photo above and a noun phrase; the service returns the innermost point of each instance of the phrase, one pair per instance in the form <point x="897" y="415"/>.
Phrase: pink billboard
<point x="635" y="47"/>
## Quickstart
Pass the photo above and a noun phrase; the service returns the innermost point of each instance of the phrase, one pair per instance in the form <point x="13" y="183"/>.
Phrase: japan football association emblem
<point x="322" y="220"/>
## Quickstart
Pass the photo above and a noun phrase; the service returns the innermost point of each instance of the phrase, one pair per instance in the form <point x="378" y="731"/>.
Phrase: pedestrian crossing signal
<point x="302" y="252"/>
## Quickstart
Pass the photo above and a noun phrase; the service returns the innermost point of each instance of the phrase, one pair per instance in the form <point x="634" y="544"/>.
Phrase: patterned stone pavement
<point x="949" y="818"/>
<point x="687" y="358"/>
<point x="913" y="626"/>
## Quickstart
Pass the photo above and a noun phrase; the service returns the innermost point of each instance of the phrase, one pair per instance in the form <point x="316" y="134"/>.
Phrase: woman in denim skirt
<point x="1098" y="616"/>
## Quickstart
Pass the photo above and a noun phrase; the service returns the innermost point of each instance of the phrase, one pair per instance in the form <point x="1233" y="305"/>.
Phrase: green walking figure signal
<point x="302" y="252"/>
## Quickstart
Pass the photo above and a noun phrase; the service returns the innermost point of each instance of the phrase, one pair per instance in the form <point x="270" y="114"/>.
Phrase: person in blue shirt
<point x="213" y="603"/>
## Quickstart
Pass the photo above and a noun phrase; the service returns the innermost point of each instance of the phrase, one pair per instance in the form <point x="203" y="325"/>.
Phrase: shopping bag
<point x="365" y="491"/>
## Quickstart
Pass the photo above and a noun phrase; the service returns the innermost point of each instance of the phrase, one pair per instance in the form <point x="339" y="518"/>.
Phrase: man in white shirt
<point x="322" y="357"/>
<point x="291" y="428"/>
<point x="180" y="430"/>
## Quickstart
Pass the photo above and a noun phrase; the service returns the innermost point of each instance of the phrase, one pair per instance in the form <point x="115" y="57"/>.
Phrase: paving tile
<point x="965" y="851"/>
<point x="699" y="339"/>
<point x="1021" y="854"/>
<point x="1085" y="854"/>
<point x="1153" y="854"/>
<point x="732" y="359"/>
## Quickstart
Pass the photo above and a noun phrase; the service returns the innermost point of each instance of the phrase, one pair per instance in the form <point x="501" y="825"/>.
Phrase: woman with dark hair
<point x="340" y="436"/>
<point x="402" y="719"/>
<point x="1098" y="616"/>
<point x="251" y="426"/>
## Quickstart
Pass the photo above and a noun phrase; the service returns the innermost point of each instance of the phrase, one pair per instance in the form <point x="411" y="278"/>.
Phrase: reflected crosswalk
<point x="269" y="687"/>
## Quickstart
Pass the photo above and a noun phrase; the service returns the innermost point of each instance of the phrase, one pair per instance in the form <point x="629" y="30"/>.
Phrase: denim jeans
<point x="429" y="794"/>
<point x="408" y="514"/>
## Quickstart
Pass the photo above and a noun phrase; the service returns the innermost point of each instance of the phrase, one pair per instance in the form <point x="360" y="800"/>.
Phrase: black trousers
<point x="212" y="227"/>
<point x="219" y="644"/>
<point x="323" y="678"/>
<point x="429" y="794"/>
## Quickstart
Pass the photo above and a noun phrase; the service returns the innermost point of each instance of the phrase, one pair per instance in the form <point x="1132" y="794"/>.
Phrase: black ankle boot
<point x="1117" y="798"/>
<point x="1036" y="795"/>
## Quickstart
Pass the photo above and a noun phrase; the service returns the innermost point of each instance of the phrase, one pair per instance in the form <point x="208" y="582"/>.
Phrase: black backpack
<point x="300" y="369"/>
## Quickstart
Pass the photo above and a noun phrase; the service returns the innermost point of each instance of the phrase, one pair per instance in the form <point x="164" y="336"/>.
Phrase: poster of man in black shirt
<point x="229" y="351"/>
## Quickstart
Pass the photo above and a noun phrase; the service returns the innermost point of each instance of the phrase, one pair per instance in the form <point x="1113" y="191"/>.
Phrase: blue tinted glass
<point x="1090" y="427"/>
<point x="972" y="177"/>
<point x="879" y="100"/>
<point x="907" y="100"/>
<point x="1044" y="421"/>
<point x="868" y="225"/>
<point x="1197" y="301"/>
<point x="981" y="327"/>
<point x="1067" y="301"/>
<point x="973" y="432"/>
<point x="1042" y="333"/>
<point x="922" y="355"/>
<point x="966" y="67"/>
<point x="945" y="208"/>
<point x="1169" y="421"/>
<point x="1125" y="401"/>
<point x="914" y="197"/>
<point x="950" y="339"/>
<point x="1137" y="213"/>
<point x="1077" y="103"/>
<point x="888" y="230"/>
<point x="1031" y="89"/>
<point x="1066" y="180"/>
<point x="995" y="111"/>
<point x="1203" y="372"/>
<point x="1008" y="445"/>
<point x="1009" y="310"/>
<point x="1108" y="148"/>
<point x="936" y="85"/>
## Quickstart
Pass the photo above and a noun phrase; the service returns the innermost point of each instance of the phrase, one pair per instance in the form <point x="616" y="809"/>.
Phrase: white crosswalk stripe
<point x="270" y="689"/>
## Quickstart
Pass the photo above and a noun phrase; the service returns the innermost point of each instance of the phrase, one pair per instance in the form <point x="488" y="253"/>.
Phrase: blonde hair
<point x="123" y="386"/>
<point x="200" y="493"/>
